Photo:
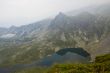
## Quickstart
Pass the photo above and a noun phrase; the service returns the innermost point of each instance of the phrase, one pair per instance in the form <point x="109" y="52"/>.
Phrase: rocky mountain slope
<point x="32" y="42"/>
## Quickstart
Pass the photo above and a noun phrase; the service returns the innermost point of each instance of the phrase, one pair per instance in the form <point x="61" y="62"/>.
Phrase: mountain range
<point x="88" y="28"/>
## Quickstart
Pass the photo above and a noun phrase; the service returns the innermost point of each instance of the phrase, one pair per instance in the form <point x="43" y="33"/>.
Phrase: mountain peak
<point x="13" y="27"/>
<point x="60" y="15"/>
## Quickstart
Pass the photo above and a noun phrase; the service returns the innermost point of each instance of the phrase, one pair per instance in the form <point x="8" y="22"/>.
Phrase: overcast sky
<point x="21" y="12"/>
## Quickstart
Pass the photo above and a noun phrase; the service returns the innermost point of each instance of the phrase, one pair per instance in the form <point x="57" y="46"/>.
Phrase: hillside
<point x="29" y="43"/>
<point x="96" y="67"/>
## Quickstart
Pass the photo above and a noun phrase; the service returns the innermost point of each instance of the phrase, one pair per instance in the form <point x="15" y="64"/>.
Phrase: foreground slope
<point x="96" y="67"/>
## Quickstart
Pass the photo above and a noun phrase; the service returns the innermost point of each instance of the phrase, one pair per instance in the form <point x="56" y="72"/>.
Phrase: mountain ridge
<point x="38" y="40"/>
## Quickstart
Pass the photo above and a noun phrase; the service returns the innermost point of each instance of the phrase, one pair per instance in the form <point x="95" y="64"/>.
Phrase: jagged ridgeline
<point x="88" y="28"/>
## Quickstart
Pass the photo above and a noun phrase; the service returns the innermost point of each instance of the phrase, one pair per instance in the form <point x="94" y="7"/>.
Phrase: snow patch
<point x="10" y="35"/>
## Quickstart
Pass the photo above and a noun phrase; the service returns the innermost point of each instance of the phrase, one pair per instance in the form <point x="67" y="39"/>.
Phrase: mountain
<point x="101" y="10"/>
<point x="88" y="29"/>
<point x="3" y="30"/>
<point x="26" y="30"/>
<point x="84" y="30"/>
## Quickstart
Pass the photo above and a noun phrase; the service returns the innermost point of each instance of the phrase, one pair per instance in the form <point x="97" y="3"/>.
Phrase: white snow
<point x="10" y="35"/>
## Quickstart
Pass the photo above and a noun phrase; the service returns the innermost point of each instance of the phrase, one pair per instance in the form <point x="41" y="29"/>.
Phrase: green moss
<point x="103" y="58"/>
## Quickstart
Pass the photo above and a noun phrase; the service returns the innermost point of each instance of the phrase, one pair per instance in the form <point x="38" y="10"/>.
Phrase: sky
<point x="21" y="12"/>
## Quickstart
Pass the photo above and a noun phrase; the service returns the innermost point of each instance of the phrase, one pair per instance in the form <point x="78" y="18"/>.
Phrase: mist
<point x="21" y="12"/>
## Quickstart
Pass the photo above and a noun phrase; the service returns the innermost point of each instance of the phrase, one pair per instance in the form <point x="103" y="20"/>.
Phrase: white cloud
<point x="18" y="12"/>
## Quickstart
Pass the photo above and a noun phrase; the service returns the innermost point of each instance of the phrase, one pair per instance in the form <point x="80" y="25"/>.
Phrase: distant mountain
<point x="3" y="30"/>
<point x="88" y="29"/>
<point x="102" y="10"/>
<point x="26" y="30"/>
